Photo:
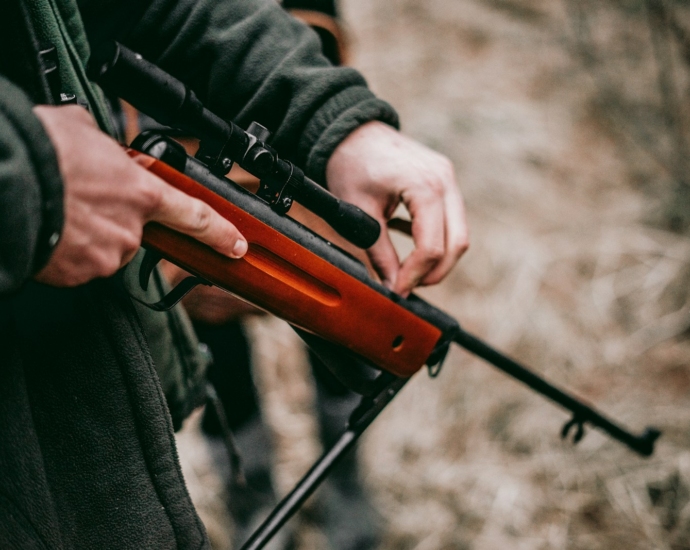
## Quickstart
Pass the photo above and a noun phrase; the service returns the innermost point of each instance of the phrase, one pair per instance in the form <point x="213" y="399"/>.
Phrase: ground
<point x="566" y="120"/>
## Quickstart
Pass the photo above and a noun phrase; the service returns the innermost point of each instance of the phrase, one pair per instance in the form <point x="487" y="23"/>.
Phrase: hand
<point x="376" y="168"/>
<point x="108" y="198"/>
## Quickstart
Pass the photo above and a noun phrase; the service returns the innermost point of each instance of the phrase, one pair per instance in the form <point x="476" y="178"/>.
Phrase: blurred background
<point x="567" y="121"/>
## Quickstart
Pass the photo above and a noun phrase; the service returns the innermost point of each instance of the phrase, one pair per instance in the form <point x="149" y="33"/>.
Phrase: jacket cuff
<point x="334" y="121"/>
<point x="17" y="109"/>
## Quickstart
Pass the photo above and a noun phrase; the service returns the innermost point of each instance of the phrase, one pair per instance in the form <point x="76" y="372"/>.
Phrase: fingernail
<point x="240" y="248"/>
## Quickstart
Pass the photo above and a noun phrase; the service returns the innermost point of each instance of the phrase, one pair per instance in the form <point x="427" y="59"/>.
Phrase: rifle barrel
<point x="642" y="444"/>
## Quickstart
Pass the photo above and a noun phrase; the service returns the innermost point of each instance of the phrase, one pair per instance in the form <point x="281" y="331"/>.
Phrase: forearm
<point x="31" y="214"/>
<point x="249" y="61"/>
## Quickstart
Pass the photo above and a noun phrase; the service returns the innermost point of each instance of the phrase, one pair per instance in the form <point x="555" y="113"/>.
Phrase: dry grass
<point x="571" y="161"/>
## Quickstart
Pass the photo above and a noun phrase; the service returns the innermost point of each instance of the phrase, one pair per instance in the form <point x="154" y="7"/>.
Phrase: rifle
<point x="371" y="339"/>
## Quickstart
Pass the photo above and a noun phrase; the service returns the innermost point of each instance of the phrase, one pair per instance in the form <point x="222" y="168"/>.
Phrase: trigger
<point x="148" y="264"/>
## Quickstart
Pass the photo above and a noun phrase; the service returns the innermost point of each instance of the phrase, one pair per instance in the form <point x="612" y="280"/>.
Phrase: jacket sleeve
<point x="249" y="60"/>
<point x="30" y="191"/>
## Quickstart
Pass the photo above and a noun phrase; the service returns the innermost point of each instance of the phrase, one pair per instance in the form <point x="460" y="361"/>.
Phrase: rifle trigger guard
<point x="172" y="298"/>
<point x="148" y="264"/>
<point x="579" y="431"/>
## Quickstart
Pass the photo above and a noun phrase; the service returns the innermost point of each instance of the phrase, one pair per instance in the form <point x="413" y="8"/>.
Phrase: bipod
<point x="368" y="409"/>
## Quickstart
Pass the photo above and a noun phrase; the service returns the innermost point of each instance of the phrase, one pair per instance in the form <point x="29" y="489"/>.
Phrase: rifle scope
<point x="126" y="74"/>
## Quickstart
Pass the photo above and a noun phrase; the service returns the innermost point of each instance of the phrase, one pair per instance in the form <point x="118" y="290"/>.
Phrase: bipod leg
<point x="361" y="418"/>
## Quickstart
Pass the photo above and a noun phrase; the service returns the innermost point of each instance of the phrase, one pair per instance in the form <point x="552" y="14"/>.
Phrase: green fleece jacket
<point x="87" y="454"/>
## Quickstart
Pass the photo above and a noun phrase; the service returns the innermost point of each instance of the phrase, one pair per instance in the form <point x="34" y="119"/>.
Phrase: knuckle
<point x="132" y="242"/>
<point x="150" y="194"/>
<point x="435" y="187"/>
<point x="107" y="265"/>
<point x="431" y="253"/>
<point x="202" y="217"/>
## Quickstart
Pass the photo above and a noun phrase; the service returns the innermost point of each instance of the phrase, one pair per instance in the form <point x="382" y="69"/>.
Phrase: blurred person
<point x="341" y="507"/>
<point x="87" y="455"/>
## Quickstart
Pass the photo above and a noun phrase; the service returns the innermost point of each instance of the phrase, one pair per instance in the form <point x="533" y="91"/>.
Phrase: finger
<point x="383" y="256"/>
<point x="428" y="232"/>
<point x="456" y="236"/>
<point x="197" y="219"/>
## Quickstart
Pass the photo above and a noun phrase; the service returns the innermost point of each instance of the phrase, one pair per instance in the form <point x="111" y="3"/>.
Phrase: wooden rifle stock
<point x="287" y="279"/>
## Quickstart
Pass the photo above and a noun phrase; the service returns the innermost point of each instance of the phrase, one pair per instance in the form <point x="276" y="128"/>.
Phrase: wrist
<point x="335" y="121"/>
